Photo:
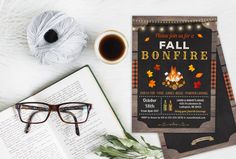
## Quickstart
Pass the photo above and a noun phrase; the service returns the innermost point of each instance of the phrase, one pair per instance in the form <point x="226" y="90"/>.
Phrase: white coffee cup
<point x="98" y="42"/>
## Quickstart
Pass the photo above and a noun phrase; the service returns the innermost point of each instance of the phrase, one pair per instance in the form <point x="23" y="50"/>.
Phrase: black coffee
<point x="112" y="47"/>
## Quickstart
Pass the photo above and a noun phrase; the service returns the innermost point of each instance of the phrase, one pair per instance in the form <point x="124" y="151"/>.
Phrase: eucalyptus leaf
<point x="111" y="137"/>
<point x="150" y="146"/>
<point x="111" y="152"/>
<point x="128" y="148"/>
<point x="115" y="141"/>
<point x="127" y="142"/>
<point x="129" y="136"/>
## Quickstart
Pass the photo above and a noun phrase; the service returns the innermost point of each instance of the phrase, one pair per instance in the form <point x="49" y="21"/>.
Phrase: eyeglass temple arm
<point x="76" y="125"/>
<point x="27" y="128"/>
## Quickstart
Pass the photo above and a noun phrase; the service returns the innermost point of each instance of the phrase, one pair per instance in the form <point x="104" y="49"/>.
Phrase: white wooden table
<point x="22" y="75"/>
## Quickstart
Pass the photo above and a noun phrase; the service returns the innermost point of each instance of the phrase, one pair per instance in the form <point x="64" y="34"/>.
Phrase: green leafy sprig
<point x="128" y="148"/>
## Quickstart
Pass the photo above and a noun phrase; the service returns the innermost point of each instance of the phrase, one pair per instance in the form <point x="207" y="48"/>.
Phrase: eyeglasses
<point x="38" y="112"/>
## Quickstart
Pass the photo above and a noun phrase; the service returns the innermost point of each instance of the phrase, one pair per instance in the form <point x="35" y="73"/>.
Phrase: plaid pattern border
<point x="228" y="86"/>
<point x="213" y="74"/>
<point x="135" y="74"/>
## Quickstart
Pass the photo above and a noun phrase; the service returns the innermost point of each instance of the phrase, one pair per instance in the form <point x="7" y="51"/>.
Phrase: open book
<point x="55" y="139"/>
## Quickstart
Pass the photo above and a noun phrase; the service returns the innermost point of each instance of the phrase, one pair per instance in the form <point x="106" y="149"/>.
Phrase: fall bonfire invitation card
<point x="173" y="74"/>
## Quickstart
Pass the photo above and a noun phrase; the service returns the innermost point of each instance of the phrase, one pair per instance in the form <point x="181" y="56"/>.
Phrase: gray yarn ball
<point x="54" y="37"/>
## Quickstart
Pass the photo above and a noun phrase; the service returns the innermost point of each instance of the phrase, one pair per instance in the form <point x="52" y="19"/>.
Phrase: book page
<point x="81" y="87"/>
<point x="39" y="143"/>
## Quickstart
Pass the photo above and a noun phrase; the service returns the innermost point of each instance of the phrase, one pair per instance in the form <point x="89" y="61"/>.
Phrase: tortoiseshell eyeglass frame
<point x="31" y="106"/>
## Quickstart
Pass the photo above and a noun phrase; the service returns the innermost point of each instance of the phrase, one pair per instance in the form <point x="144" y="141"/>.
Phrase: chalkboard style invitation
<point x="177" y="145"/>
<point x="173" y="74"/>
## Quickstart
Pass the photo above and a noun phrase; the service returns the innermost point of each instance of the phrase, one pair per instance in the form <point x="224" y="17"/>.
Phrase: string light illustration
<point x="170" y="28"/>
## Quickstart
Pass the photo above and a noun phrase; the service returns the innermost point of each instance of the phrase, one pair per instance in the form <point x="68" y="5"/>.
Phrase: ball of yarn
<point x="54" y="37"/>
